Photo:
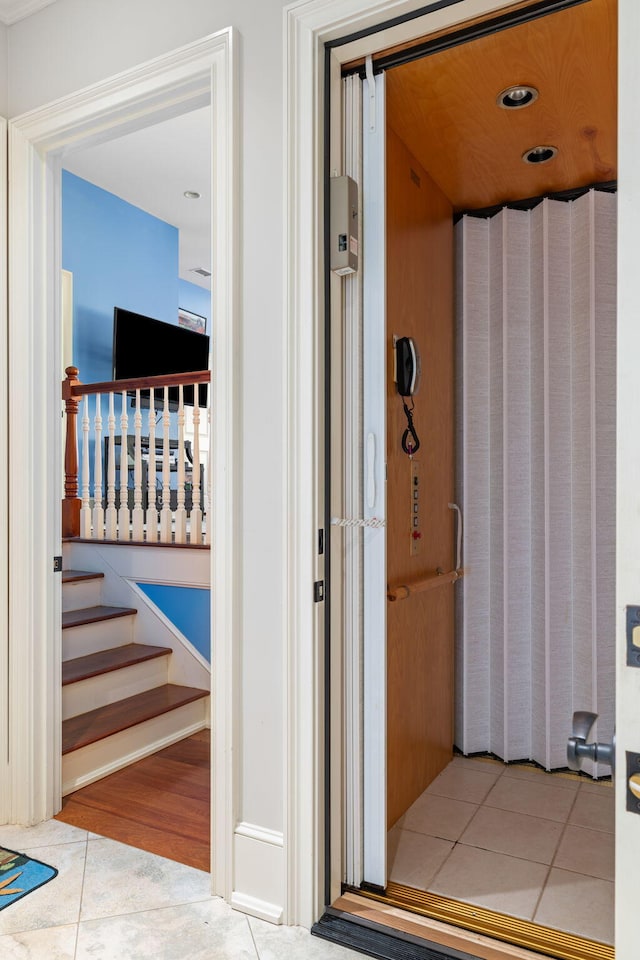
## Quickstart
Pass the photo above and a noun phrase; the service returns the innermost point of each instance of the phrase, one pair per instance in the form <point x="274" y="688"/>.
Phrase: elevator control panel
<point x="415" y="535"/>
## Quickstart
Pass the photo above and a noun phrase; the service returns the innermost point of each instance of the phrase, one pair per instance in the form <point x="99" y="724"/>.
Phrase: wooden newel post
<point x="71" y="502"/>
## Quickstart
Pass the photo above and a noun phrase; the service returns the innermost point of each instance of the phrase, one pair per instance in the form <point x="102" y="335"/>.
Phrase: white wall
<point x="75" y="43"/>
<point x="3" y="71"/>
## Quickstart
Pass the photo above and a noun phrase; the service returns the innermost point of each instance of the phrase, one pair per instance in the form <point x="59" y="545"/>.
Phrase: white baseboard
<point x="256" y="908"/>
<point x="258" y="872"/>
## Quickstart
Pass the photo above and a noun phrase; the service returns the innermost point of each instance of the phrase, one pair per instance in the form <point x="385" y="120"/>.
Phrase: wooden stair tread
<point x="76" y="618"/>
<point x="75" y="576"/>
<point x="96" y="664"/>
<point x="97" y="724"/>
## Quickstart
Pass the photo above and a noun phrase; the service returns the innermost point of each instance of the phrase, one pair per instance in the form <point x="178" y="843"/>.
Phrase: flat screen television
<point x="143" y="347"/>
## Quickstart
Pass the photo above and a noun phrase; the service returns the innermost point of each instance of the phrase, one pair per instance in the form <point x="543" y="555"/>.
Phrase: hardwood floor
<point x="160" y="804"/>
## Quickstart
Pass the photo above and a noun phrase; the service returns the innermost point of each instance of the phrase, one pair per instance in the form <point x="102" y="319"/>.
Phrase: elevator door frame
<point x="343" y="60"/>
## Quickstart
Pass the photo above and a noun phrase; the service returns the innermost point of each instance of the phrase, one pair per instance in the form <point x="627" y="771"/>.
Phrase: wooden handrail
<point x="135" y="383"/>
<point x="403" y="590"/>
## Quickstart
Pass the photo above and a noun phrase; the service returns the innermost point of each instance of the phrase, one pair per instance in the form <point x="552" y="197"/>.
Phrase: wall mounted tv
<point x="143" y="347"/>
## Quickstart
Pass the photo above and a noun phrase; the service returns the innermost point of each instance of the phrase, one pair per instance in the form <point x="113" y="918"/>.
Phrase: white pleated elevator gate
<point x="536" y="371"/>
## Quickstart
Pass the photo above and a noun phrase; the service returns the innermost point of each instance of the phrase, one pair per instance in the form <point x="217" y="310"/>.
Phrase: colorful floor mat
<point x="20" y="875"/>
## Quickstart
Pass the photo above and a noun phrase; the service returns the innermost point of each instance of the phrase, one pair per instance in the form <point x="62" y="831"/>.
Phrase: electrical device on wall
<point x="407" y="378"/>
<point x="345" y="241"/>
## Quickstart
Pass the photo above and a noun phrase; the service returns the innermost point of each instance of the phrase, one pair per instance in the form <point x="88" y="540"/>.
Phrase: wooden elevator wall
<point x="420" y="629"/>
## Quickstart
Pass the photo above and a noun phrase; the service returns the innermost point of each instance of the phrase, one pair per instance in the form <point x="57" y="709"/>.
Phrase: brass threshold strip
<point x="500" y="926"/>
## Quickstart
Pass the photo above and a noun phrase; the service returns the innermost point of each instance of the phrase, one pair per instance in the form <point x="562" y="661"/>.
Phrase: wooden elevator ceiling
<point x="444" y="108"/>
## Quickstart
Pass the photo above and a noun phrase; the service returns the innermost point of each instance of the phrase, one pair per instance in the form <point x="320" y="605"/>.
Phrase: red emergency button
<point x="416" y="535"/>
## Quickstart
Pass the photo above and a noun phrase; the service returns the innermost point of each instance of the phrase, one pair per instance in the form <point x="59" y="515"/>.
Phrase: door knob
<point x="578" y="749"/>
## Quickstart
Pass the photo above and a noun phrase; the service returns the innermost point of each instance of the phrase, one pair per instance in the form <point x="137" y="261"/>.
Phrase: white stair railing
<point x="98" y="509"/>
<point x="137" y="517"/>
<point x="153" y="518"/>
<point x="111" y="517"/>
<point x="142" y="459"/>
<point x="85" y="510"/>
<point x="123" y="512"/>
<point x="196" y="511"/>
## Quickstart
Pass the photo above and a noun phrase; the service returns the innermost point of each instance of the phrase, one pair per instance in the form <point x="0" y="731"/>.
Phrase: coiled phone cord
<point x="410" y="439"/>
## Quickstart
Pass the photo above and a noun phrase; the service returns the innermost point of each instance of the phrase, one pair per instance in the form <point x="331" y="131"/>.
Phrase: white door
<point x="628" y="469"/>
<point x="4" y="505"/>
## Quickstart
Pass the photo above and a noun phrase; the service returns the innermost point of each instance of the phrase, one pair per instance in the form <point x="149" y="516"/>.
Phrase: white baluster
<point x="98" y="509"/>
<point x="181" y="513"/>
<point x="85" y="508"/>
<point x="152" y="510"/>
<point x="123" y="513"/>
<point x="111" y="518"/>
<point x="207" y="478"/>
<point x="137" y="517"/>
<point x="165" y="513"/>
<point x="196" y="510"/>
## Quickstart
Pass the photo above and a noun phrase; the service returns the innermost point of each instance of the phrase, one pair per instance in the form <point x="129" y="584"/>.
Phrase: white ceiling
<point x="13" y="10"/>
<point x="151" y="169"/>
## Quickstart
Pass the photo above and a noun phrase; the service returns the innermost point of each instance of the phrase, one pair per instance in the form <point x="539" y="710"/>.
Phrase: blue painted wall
<point x="188" y="608"/>
<point x="120" y="256"/>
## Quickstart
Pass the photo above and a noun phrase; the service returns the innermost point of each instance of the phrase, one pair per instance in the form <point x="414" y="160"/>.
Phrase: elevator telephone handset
<point x="407" y="376"/>
<point x="407" y="366"/>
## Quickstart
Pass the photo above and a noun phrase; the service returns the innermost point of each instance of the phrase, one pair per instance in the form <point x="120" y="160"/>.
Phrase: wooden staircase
<point x="117" y="703"/>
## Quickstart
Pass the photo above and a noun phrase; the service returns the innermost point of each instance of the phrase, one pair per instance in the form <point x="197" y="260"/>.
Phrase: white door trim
<point x="199" y="73"/>
<point x="4" y="487"/>
<point x="374" y="297"/>
<point x="628" y="467"/>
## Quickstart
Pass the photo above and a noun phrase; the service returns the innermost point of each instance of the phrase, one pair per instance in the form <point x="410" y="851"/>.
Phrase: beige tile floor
<point x="513" y="839"/>
<point x="113" y="902"/>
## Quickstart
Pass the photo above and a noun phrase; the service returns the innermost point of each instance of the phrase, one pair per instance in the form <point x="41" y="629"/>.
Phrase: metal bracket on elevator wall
<point x="318" y="591"/>
<point x="57" y="564"/>
<point x="633" y="636"/>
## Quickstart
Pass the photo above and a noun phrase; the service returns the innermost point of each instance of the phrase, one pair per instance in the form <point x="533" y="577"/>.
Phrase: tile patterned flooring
<point x="113" y="902"/>
<point x="513" y="839"/>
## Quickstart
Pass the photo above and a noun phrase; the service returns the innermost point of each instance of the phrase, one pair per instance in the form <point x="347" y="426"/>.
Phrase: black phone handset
<point x="407" y="375"/>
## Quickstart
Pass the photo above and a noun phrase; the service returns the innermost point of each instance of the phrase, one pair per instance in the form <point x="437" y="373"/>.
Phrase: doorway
<point x="186" y="79"/>
<point x="131" y="239"/>
<point x="408" y="660"/>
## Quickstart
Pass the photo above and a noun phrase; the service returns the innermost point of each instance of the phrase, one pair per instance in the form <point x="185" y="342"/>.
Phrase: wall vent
<point x="201" y="271"/>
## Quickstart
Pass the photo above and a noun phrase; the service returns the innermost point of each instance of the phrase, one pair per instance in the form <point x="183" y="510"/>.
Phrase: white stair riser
<point x="84" y="593"/>
<point x="93" y="637"/>
<point x="98" y="760"/>
<point x="119" y="684"/>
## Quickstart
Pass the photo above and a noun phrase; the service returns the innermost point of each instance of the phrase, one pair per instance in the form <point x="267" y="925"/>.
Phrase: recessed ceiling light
<point x="191" y="195"/>
<point x="539" y="154"/>
<point x="517" y="96"/>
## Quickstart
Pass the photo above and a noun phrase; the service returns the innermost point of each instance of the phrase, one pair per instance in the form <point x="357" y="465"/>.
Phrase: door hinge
<point x="318" y="591"/>
<point x="57" y="564"/>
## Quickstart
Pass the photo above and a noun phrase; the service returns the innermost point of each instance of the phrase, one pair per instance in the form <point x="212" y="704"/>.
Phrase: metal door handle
<point x="578" y="749"/>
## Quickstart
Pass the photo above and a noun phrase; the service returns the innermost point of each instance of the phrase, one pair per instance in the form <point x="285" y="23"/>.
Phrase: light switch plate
<point x="633" y="636"/>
